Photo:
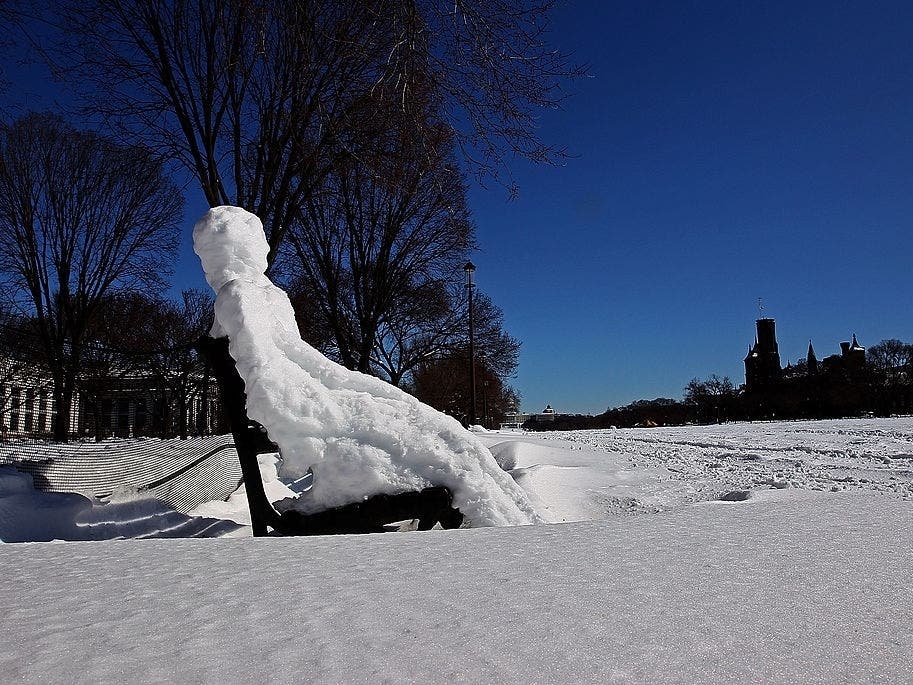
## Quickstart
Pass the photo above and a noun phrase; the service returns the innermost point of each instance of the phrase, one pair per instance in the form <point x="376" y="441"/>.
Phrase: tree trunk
<point x="96" y="417"/>
<point x="63" y="396"/>
<point x="204" y="409"/>
<point x="182" y="415"/>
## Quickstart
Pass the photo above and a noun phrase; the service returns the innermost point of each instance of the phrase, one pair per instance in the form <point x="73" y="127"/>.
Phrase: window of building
<point x="15" y="403"/>
<point x="29" y="410"/>
<point x="43" y="411"/>
<point x="107" y="418"/>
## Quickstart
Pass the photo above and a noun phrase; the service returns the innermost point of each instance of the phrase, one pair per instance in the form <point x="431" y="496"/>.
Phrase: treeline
<point x="136" y="346"/>
<point x="640" y="413"/>
<point x="881" y="387"/>
<point x="346" y="127"/>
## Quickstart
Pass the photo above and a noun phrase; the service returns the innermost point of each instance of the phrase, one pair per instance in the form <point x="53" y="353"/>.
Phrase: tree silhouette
<point x="259" y="101"/>
<point x="81" y="217"/>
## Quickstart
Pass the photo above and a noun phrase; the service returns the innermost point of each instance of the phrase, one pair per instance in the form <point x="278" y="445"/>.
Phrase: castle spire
<point x="811" y="360"/>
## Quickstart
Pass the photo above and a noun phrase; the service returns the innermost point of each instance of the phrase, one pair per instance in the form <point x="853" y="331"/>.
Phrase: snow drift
<point x="360" y="435"/>
<point x="30" y="515"/>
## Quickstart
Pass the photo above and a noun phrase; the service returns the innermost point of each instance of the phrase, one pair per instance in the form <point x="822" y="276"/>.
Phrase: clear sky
<point x="724" y="151"/>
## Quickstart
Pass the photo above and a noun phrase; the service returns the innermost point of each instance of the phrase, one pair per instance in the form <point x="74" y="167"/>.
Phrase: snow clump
<point x="359" y="434"/>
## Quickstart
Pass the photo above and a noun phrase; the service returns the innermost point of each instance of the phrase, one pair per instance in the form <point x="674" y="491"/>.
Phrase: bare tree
<point x="174" y="359"/>
<point x="259" y="100"/>
<point x="499" y="348"/>
<point x="424" y="326"/>
<point x="250" y="97"/>
<point x="389" y="222"/>
<point x="81" y="217"/>
<point x="892" y="359"/>
<point x="493" y="66"/>
<point x="11" y="18"/>
<point x="440" y="377"/>
<point x="443" y="383"/>
<point x="148" y="342"/>
<point x="435" y="327"/>
<point x="712" y="398"/>
<point x="108" y="358"/>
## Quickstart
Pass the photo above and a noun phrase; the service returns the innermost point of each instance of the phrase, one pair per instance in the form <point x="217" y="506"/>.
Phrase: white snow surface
<point x="810" y="590"/>
<point x="645" y="470"/>
<point x="360" y="435"/>
<point x="29" y="515"/>
<point x="235" y="508"/>
<point x="653" y="578"/>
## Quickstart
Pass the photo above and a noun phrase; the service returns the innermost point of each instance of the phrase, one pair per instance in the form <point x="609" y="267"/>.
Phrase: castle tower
<point x="767" y="337"/>
<point x="762" y="365"/>
<point x="855" y="356"/>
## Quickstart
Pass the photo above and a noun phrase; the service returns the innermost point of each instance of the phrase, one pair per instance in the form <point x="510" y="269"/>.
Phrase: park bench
<point x="373" y="514"/>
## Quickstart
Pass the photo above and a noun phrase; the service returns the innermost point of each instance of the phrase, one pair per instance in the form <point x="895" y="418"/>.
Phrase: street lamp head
<point x="469" y="269"/>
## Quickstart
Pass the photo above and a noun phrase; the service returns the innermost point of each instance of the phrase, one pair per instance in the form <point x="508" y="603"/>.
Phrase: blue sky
<point x="726" y="152"/>
<point x="723" y="152"/>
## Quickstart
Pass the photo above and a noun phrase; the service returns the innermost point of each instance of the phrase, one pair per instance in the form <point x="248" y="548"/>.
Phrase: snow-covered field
<point x="804" y="576"/>
<point x="594" y="474"/>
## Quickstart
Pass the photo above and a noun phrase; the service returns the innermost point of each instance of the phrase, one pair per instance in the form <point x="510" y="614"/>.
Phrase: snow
<point x="678" y="465"/>
<point x="569" y="476"/>
<point x="235" y="507"/>
<point x="808" y="590"/>
<point x="652" y="579"/>
<point x="29" y="515"/>
<point x="359" y="435"/>
<point x="779" y="552"/>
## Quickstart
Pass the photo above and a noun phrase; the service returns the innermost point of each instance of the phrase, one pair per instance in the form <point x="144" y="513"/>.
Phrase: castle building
<point x="851" y="359"/>
<point x="762" y="365"/>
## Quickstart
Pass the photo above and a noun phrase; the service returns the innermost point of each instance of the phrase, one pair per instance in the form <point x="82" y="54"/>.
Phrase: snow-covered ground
<point x="814" y="591"/>
<point x="594" y="474"/>
<point x="804" y="576"/>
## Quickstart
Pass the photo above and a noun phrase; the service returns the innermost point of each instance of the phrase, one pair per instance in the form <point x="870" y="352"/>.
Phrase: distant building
<point x="850" y="361"/>
<point x="834" y="386"/>
<point x="27" y="403"/>
<point x="762" y="365"/>
<point x="131" y="405"/>
<point x="516" y="420"/>
<point x="811" y="361"/>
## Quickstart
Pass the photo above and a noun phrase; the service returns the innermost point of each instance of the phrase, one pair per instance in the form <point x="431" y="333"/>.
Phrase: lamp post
<point x="483" y="360"/>
<point x="469" y="269"/>
<point x="486" y="418"/>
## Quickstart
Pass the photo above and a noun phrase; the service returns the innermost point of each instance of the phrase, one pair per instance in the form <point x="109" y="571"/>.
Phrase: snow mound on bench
<point x="359" y="434"/>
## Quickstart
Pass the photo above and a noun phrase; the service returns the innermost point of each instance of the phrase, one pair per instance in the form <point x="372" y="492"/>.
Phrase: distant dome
<point x="548" y="409"/>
